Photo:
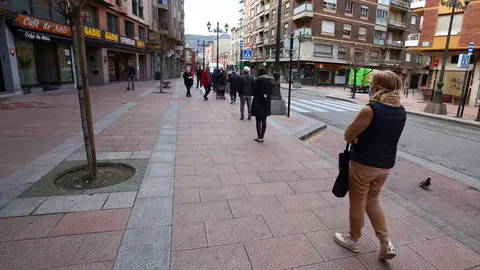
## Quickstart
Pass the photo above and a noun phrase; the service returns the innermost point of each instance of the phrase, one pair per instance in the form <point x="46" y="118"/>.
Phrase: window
<point x="323" y="50"/>
<point x="112" y="23"/>
<point x="347" y="30"/>
<point x="407" y="57"/>
<point x="141" y="33"/>
<point x="330" y="4"/>
<point x="362" y="33"/>
<point x="364" y="11"/>
<point x="359" y="54"/>
<point x="140" y="8"/>
<point x="414" y="20"/>
<point x="328" y="27"/>
<point x="444" y="20"/>
<point x="349" y="7"/>
<point x="273" y="33"/>
<point x="285" y="29"/>
<point x="382" y="16"/>
<point x="419" y="60"/>
<point x="287" y="8"/>
<point x="117" y="2"/>
<point x="26" y="62"/>
<point x="273" y="15"/>
<point x="379" y="34"/>
<point x="374" y="56"/>
<point x="91" y="16"/>
<point x="134" y="7"/>
<point x="129" y="31"/>
<point x="342" y="52"/>
<point x="454" y="59"/>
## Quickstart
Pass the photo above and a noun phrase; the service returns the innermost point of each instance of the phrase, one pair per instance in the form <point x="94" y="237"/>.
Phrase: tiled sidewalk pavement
<point x="237" y="204"/>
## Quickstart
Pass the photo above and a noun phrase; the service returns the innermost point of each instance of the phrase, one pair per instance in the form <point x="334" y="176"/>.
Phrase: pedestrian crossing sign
<point x="463" y="61"/>
<point x="247" y="55"/>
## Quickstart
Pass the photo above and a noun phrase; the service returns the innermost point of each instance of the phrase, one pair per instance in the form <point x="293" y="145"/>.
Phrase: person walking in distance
<point x="374" y="133"/>
<point x="261" y="104"/>
<point x="235" y="82"/>
<point x="188" y="80"/>
<point x="131" y="76"/>
<point x="199" y="75"/>
<point x="207" y="82"/>
<point x="245" y="93"/>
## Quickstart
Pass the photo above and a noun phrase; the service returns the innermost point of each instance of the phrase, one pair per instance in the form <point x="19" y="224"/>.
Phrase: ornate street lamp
<point x="437" y="106"/>
<point x="218" y="31"/>
<point x="203" y="44"/>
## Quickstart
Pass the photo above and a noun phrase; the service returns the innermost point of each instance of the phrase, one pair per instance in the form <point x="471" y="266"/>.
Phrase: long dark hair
<point x="261" y="71"/>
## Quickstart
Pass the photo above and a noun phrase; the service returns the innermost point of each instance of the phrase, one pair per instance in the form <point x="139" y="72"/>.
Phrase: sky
<point x="199" y="12"/>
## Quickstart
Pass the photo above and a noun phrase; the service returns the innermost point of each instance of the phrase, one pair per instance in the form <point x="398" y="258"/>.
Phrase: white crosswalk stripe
<point x="314" y="105"/>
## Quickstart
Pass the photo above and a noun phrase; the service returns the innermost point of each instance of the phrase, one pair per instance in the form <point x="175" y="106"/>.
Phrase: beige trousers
<point x="365" y="183"/>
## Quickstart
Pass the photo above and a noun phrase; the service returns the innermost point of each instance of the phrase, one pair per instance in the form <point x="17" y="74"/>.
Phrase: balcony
<point x="397" y="24"/>
<point x="392" y="63"/>
<point x="394" y="43"/>
<point x="418" y="6"/>
<point x="378" y="41"/>
<point x="303" y="11"/>
<point x="381" y="21"/>
<point x="400" y="4"/>
<point x="412" y="40"/>
<point x="304" y="31"/>
<point x="163" y="4"/>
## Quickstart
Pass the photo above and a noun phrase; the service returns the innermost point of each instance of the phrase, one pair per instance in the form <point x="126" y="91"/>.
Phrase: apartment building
<point x="36" y="42"/>
<point x="331" y="31"/>
<point x="235" y="52"/>
<point x="432" y="40"/>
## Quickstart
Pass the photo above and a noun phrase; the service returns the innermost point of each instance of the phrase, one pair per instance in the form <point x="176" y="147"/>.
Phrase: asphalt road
<point x="452" y="146"/>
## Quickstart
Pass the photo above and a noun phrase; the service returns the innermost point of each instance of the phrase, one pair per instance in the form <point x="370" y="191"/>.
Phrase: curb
<point x="448" y="119"/>
<point x="311" y="131"/>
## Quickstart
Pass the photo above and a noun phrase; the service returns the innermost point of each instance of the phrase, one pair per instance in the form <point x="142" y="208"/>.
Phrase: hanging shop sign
<point x="110" y="36"/>
<point x="43" y="25"/>
<point x="33" y="36"/>
<point x="92" y="32"/>
<point x="127" y="41"/>
<point x="140" y="44"/>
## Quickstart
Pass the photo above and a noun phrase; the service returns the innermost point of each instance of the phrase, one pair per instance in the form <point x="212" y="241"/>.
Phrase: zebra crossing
<point x="314" y="105"/>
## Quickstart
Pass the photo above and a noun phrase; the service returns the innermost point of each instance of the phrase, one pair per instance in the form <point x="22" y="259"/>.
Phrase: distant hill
<point x="192" y="39"/>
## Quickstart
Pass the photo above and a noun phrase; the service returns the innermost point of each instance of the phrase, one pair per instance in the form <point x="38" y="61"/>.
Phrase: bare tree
<point x="71" y="10"/>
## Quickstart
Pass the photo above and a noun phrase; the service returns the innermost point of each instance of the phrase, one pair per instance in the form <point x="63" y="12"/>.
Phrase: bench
<point x="166" y="84"/>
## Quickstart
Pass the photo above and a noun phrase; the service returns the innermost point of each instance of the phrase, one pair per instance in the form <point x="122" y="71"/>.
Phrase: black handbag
<point x="340" y="188"/>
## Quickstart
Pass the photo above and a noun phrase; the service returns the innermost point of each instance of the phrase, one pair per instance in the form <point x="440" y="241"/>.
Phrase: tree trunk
<point x="161" y="71"/>
<point x="81" y="74"/>
<point x="354" y="89"/>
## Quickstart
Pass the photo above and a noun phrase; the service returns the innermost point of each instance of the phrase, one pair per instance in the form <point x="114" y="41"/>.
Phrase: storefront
<point x="329" y="74"/>
<point x="43" y="51"/>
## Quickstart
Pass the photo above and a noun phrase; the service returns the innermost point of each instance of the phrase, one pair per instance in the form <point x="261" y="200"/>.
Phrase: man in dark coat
<point x="199" y="75"/>
<point x="131" y="76"/>
<point x="188" y="80"/>
<point x="245" y="93"/>
<point x="261" y="106"/>
<point x="235" y="83"/>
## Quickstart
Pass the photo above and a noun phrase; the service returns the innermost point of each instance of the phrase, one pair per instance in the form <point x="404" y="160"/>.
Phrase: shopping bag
<point x="340" y="188"/>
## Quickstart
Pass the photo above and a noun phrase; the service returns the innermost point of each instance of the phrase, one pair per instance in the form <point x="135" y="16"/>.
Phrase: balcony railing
<point x="400" y="3"/>
<point x="394" y="43"/>
<point x="381" y="21"/>
<point x="397" y="24"/>
<point x="265" y="41"/>
<point x="259" y="41"/>
<point x="412" y="40"/>
<point x="267" y="7"/>
<point x="378" y="41"/>
<point x="304" y="31"/>
<point x="303" y="7"/>
<point x="391" y="62"/>
<point x="417" y="4"/>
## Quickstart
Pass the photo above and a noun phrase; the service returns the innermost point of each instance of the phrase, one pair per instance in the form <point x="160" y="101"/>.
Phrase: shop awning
<point x="7" y="13"/>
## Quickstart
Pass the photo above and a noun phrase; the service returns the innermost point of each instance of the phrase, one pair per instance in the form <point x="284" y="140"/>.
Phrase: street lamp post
<point x="437" y="106"/>
<point x="218" y="31"/>
<point x="203" y="44"/>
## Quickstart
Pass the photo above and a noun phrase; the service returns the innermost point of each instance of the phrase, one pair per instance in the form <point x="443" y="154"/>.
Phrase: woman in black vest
<point x="374" y="132"/>
<point x="261" y="105"/>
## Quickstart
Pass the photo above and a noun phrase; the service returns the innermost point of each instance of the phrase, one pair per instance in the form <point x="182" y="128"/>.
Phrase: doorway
<point x="2" y="81"/>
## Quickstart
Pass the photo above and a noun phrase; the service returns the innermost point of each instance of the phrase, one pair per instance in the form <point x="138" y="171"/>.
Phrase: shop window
<point x="443" y="22"/>
<point x="330" y="5"/>
<point x="349" y="7"/>
<point x="141" y="33"/>
<point x="112" y="23"/>
<point x="328" y="27"/>
<point x="364" y="12"/>
<point x="323" y="50"/>
<point x="362" y="33"/>
<point x="347" y="30"/>
<point x="91" y="16"/>
<point x="129" y="29"/>
<point x="26" y="62"/>
<point x="65" y="63"/>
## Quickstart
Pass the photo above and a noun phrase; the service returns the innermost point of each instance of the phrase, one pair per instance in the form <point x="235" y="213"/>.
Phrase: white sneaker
<point x="345" y="241"/>
<point x="387" y="251"/>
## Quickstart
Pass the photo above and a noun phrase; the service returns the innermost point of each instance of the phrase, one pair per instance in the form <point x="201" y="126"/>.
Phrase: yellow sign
<point x="140" y="44"/>
<point x="155" y="47"/>
<point x="92" y="32"/>
<point x="110" y="36"/>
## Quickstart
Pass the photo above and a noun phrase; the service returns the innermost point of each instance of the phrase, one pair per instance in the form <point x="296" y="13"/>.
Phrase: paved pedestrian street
<point x="205" y="194"/>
